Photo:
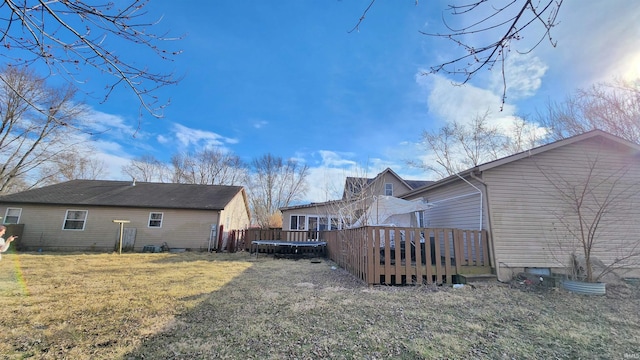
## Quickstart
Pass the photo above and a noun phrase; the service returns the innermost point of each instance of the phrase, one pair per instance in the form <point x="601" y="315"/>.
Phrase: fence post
<point x="458" y="249"/>
<point x="220" y="238"/>
<point x="448" y="242"/>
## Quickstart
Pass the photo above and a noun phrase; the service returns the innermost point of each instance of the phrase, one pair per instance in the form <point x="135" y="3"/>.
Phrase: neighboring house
<point x="518" y="199"/>
<point x="357" y="196"/>
<point x="80" y="214"/>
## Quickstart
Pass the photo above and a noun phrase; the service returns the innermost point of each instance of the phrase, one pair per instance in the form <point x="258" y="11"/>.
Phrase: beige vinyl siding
<point x="377" y="187"/>
<point x="180" y="228"/>
<point x="235" y="215"/>
<point x="457" y="205"/>
<point x="525" y="206"/>
<point x="399" y="188"/>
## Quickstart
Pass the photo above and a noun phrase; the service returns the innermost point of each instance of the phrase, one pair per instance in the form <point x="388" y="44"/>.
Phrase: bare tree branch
<point x="487" y="55"/>
<point x="611" y="107"/>
<point x="208" y="167"/>
<point x="593" y="202"/>
<point x="37" y="125"/>
<point x="275" y="183"/>
<point x="69" y="36"/>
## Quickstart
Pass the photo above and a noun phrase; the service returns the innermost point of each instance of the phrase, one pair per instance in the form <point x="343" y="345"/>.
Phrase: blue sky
<point x="286" y="77"/>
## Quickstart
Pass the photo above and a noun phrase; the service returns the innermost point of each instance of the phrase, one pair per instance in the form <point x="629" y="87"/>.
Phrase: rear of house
<point x="358" y="194"/>
<point x="532" y="203"/>
<point x="523" y="200"/>
<point x="80" y="214"/>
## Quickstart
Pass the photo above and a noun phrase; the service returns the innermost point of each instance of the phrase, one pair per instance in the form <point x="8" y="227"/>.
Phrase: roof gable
<point x="354" y="185"/>
<point x="128" y="194"/>
<point x="527" y="153"/>
<point x="543" y="148"/>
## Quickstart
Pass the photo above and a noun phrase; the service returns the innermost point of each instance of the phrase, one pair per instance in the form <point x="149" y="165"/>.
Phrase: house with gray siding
<point x="79" y="215"/>
<point x="524" y="201"/>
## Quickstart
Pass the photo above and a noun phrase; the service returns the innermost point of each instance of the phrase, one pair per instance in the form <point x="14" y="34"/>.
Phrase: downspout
<point x="489" y="222"/>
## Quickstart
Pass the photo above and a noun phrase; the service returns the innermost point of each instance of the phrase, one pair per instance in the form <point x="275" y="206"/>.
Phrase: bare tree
<point x="148" y="169"/>
<point x="71" y="165"/>
<point x="594" y="202"/>
<point x="359" y="192"/>
<point x="275" y="183"/>
<point x="37" y="125"/>
<point x="73" y="37"/>
<point x="208" y="167"/>
<point x="611" y="107"/>
<point x="441" y="143"/>
<point x="506" y="23"/>
<point x="523" y="135"/>
<point x="457" y="147"/>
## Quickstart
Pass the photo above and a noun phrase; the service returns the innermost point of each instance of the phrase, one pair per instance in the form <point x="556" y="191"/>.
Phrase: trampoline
<point x="288" y="247"/>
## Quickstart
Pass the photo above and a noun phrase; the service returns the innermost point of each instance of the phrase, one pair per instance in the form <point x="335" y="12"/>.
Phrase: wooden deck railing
<point x="393" y="255"/>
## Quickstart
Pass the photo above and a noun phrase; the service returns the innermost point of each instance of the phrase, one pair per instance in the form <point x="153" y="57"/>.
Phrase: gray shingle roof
<point x="125" y="194"/>
<point x="414" y="184"/>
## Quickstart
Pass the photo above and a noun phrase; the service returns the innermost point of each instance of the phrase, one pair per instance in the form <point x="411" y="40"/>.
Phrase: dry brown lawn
<point x="234" y="306"/>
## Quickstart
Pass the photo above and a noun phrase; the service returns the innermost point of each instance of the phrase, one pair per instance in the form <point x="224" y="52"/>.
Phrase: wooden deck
<point x="393" y="255"/>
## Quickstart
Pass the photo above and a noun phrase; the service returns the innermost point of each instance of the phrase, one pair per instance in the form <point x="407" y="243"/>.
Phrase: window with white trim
<point x="12" y="216"/>
<point x="155" y="219"/>
<point x="324" y="224"/>
<point x="336" y="224"/>
<point x="313" y="222"/>
<point x="298" y="222"/>
<point x="75" y="220"/>
<point x="388" y="189"/>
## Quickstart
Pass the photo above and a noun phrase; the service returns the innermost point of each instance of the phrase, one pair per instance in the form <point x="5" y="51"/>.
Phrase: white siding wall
<point x="323" y="210"/>
<point x="526" y="208"/>
<point x="180" y="228"/>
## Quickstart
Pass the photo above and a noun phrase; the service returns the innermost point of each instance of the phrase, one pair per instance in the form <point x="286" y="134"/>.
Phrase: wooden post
<point x="220" y="239"/>
<point x="121" y="222"/>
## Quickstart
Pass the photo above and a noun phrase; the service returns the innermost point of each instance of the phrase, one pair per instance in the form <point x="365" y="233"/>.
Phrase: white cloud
<point x="523" y="75"/>
<point x="326" y="181"/>
<point x="596" y="41"/>
<point x="189" y="138"/>
<point x="260" y="124"/>
<point x="110" y="124"/>
<point x="162" y="139"/>
<point x="113" y="165"/>
<point x="462" y="103"/>
<point x="110" y="147"/>
<point x="334" y="159"/>
<point x="450" y="103"/>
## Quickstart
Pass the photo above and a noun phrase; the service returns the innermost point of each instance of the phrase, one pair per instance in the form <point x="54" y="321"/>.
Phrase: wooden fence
<point x="393" y="255"/>
<point x="384" y="255"/>
<point x="243" y="238"/>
